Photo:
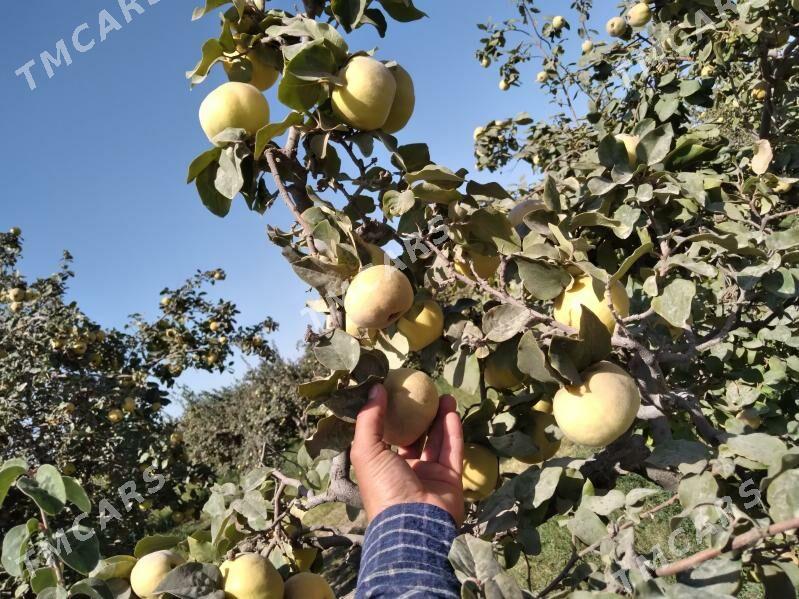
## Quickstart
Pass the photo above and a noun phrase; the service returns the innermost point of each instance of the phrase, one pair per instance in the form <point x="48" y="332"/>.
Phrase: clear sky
<point x="94" y="159"/>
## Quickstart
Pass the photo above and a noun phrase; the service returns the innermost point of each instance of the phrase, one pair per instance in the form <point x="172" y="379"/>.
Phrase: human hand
<point x="412" y="475"/>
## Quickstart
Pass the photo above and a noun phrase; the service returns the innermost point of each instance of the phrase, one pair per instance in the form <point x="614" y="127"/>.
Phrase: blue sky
<point x="95" y="158"/>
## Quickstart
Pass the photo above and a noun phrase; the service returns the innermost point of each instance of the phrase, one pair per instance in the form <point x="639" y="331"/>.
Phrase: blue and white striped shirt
<point x="405" y="554"/>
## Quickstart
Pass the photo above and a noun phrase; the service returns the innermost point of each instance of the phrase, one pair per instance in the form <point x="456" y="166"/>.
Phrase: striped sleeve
<point x="405" y="554"/>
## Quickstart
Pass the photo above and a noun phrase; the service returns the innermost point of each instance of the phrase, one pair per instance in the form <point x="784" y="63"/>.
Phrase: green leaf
<point x="338" y="351"/>
<point x="330" y="280"/>
<point x="153" y="543"/>
<point x="348" y="12"/>
<point x="255" y="478"/>
<point x="76" y="494"/>
<point x="202" y="162"/>
<point x="676" y="452"/>
<point x="209" y="6"/>
<point x="604" y="505"/>
<point x="694" y="492"/>
<point x="783" y="240"/>
<point x="15" y="545"/>
<point x="255" y="508"/>
<point x="684" y="261"/>
<point x="720" y="577"/>
<point x="301" y="86"/>
<point x="211" y="198"/>
<point x="674" y="304"/>
<point x="757" y="447"/>
<point x="586" y="526"/>
<point x="433" y="194"/>
<point x="613" y="153"/>
<point x="53" y="593"/>
<point x="626" y="218"/>
<point x="43" y="578"/>
<point x="513" y="444"/>
<point x="346" y="403"/>
<point x="397" y="203"/>
<point x="551" y="194"/>
<point x="531" y="360"/>
<point x="490" y="190"/>
<point x="300" y="27"/>
<point x="494" y="227"/>
<point x="762" y="157"/>
<point x="783" y="496"/>
<point x="402" y="10"/>
<point x="375" y="17"/>
<point x="212" y="51"/>
<point x="201" y="549"/>
<point x="473" y="560"/>
<point x="599" y="186"/>
<point x="688" y="153"/>
<point x="331" y="433"/>
<point x="591" y="219"/>
<point x="570" y="356"/>
<point x="116" y="566"/>
<point x="503" y="322"/>
<point x="438" y="175"/>
<point x="322" y="386"/>
<point x="92" y="588"/>
<point x="9" y="472"/>
<point x="780" y="579"/>
<point x="272" y="130"/>
<point x="462" y="371"/>
<point x="666" y="106"/>
<point x="655" y="145"/>
<point x="413" y="157"/>
<point x="544" y="281"/>
<point x="229" y="176"/>
<point x="46" y="489"/>
<point x="193" y="579"/>
<point x="78" y="548"/>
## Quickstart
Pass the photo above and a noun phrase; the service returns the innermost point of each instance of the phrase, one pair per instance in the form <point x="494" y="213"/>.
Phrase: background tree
<point x="91" y="400"/>
<point x="256" y="419"/>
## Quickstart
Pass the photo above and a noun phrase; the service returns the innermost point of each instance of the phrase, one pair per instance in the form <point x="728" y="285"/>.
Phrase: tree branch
<point x="289" y="201"/>
<point x="743" y="541"/>
<point x="341" y="488"/>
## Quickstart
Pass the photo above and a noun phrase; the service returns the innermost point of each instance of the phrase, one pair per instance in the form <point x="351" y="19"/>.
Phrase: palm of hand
<point x="408" y="478"/>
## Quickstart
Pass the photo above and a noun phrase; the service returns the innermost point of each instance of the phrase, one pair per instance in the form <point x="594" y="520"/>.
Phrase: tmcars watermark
<point x="83" y="39"/>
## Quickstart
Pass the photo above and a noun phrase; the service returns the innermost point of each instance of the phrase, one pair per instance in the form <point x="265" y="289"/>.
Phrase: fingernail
<point x="373" y="393"/>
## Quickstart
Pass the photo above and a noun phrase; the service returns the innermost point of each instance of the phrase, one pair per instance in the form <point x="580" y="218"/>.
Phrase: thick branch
<point x="341" y="488"/>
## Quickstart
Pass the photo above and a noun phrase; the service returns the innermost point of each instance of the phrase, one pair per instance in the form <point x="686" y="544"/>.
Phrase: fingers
<point x="451" y="454"/>
<point x="411" y="452"/>
<point x="369" y="424"/>
<point x="436" y="436"/>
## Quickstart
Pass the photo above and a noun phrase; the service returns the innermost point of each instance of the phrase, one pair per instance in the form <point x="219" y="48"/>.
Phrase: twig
<point x="288" y="200"/>
<point x="743" y="541"/>
<point x="770" y="217"/>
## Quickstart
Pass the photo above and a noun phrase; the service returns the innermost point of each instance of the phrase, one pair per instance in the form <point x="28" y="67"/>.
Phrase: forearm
<point x="405" y="554"/>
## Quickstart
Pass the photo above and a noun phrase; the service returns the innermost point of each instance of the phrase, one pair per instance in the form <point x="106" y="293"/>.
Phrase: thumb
<point x="369" y="423"/>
